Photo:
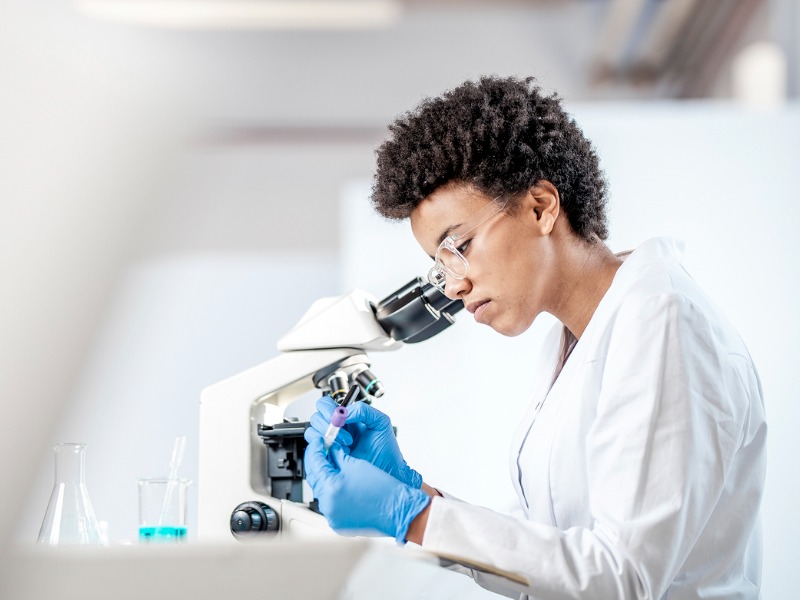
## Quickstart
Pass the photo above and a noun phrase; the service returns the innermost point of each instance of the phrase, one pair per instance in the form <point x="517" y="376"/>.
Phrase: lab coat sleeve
<point x="669" y="420"/>
<point x="493" y="583"/>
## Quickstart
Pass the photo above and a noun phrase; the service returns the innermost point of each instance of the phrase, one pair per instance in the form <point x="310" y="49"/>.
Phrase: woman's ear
<point x="543" y="200"/>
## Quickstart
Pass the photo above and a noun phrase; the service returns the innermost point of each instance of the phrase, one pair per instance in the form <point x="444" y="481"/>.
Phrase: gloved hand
<point x="369" y="435"/>
<point x="357" y="497"/>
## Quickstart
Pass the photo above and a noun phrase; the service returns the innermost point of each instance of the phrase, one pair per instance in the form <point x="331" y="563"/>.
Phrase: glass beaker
<point x="69" y="518"/>
<point x="162" y="509"/>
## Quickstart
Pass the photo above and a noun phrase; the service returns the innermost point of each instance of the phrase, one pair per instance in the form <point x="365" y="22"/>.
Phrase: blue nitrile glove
<point x="357" y="497"/>
<point x="369" y="435"/>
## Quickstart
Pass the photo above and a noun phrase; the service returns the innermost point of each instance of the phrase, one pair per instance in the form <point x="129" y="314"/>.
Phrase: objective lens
<point x="370" y="384"/>
<point x="338" y="384"/>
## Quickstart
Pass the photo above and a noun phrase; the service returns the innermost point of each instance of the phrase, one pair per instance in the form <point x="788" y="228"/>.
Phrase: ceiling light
<point x="246" y="14"/>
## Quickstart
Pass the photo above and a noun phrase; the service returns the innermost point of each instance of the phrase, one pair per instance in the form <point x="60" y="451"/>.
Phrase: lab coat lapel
<point x="543" y="369"/>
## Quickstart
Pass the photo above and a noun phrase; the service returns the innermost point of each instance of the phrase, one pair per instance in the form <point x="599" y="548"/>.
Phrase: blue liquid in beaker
<point x="162" y="533"/>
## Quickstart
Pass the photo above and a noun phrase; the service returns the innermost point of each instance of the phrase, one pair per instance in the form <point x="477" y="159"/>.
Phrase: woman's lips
<point x="477" y="309"/>
<point x="473" y="306"/>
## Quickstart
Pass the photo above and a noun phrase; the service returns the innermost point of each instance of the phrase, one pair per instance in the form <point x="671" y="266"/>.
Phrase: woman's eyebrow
<point x="447" y="232"/>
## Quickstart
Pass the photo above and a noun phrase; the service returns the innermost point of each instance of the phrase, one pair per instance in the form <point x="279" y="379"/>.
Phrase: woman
<point x="640" y="462"/>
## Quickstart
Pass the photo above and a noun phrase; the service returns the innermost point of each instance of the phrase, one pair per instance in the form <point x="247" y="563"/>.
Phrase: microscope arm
<point x="231" y="455"/>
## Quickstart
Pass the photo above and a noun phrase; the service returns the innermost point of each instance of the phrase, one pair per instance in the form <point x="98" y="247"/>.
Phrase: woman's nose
<point x="454" y="288"/>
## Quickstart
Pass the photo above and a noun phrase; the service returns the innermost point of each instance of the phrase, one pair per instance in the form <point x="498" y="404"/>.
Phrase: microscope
<point x="251" y="479"/>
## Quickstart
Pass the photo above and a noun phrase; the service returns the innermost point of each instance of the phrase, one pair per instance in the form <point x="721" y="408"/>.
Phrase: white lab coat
<point x="640" y="468"/>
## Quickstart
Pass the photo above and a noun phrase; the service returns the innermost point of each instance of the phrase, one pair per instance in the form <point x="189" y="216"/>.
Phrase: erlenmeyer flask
<point x="69" y="518"/>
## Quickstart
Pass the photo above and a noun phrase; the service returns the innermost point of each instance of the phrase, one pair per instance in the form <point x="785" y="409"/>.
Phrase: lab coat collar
<point x="665" y="250"/>
<point x="660" y="247"/>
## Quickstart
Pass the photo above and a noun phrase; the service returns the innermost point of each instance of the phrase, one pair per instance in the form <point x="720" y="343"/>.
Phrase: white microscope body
<point x="250" y="481"/>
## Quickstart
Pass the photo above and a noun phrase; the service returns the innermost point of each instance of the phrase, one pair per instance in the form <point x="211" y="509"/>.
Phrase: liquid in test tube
<point x="337" y="420"/>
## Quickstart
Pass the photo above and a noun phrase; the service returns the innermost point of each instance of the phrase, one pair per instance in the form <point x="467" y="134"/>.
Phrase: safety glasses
<point x="450" y="260"/>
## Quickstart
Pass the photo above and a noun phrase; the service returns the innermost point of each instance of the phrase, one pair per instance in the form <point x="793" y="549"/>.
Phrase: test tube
<point x="337" y="420"/>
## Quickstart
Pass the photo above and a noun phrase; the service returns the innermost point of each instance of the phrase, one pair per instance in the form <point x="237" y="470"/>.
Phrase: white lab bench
<point x="334" y="569"/>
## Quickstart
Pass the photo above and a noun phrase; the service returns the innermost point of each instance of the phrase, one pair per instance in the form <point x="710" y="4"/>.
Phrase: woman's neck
<point x="586" y="276"/>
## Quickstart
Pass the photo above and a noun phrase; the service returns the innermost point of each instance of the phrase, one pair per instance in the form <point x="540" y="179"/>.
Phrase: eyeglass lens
<point x="452" y="262"/>
<point x="449" y="261"/>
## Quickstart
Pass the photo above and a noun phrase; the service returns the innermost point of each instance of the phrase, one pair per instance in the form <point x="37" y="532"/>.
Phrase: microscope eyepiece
<point x="416" y="312"/>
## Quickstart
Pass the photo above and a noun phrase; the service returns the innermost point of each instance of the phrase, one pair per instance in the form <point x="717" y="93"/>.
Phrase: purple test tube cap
<point x="339" y="416"/>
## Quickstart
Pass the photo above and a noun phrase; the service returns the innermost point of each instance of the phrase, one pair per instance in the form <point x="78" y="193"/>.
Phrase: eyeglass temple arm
<point x="416" y="312"/>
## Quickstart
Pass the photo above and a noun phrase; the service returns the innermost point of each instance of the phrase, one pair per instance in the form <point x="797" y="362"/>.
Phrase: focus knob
<point x="250" y="519"/>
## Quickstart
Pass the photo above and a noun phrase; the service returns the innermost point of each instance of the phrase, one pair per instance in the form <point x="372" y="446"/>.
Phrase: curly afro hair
<point x="499" y="135"/>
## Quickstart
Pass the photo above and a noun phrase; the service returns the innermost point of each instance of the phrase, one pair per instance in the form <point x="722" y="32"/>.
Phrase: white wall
<point x="84" y="141"/>
<point x="720" y="179"/>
